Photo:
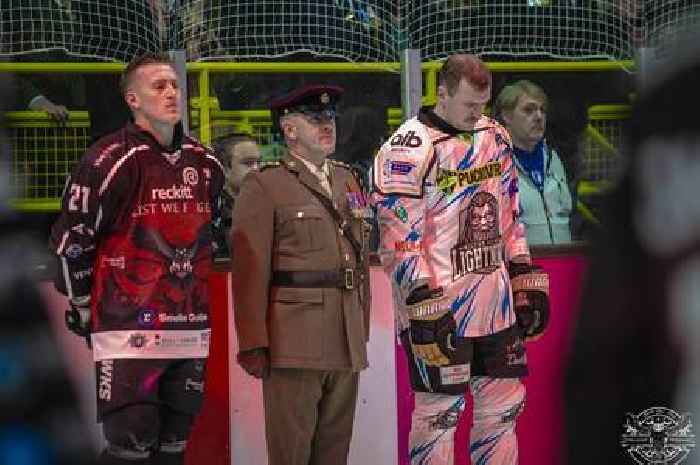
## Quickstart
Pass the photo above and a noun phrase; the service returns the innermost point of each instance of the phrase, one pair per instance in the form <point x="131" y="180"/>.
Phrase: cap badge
<point x="325" y="98"/>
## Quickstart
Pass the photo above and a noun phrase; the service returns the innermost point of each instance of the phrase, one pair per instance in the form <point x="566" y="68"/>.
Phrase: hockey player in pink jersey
<point x="455" y="251"/>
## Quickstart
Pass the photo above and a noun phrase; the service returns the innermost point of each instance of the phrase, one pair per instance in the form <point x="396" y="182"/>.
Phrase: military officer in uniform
<point x="301" y="284"/>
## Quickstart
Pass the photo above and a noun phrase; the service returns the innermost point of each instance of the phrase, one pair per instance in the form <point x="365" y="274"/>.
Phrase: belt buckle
<point x="349" y="278"/>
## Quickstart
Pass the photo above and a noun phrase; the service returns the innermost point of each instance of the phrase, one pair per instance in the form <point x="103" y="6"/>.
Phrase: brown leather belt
<point x="342" y="279"/>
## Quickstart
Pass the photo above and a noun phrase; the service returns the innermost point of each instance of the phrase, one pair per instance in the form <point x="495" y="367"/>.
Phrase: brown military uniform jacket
<point x="279" y="224"/>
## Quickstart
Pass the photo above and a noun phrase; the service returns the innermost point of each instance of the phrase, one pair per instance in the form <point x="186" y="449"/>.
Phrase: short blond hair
<point x="140" y="61"/>
<point x="508" y="98"/>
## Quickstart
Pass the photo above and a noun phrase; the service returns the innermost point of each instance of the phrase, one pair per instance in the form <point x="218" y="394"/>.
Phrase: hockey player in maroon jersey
<point x="134" y="245"/>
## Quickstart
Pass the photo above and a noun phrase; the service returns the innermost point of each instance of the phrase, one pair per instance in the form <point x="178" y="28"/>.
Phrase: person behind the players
<point x="239" y="154"/>
<point x="545" y="199"/>
<point x="134" y="245"/>
<point x="454" y="248"/>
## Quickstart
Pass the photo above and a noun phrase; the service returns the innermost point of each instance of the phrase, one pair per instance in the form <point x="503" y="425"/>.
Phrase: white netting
<point x="42" y="157"/>
<point x="376" y="30"/>
<point x="112" y="29"/>
<point x="670" y="22"/>
<point x="358" y="30"/>
<point x="603" y="29"/>
<point x="601" y="161"/>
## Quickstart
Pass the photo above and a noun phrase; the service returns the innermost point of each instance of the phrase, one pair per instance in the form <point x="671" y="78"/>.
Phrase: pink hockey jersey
<point x="447" y="206"/>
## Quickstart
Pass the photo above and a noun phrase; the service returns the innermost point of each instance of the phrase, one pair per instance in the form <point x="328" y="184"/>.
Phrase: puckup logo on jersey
<point x="105" y="386"/>
<point x="172" y="193"/>
<point x="658" y="435"/>
<point x="454" y="181"/>
<point x="190" y="176"/>
<point x="410" y="139"/>
<point x="479" y="249"/>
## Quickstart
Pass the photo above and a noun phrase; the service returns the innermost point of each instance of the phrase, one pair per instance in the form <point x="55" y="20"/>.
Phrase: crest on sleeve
<point x="402" y="163"/>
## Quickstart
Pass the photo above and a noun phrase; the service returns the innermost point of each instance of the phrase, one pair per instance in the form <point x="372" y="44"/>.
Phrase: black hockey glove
<point x="78" y="318"/>
<point x="531" y="294"/>
<point x="432" y="326"/>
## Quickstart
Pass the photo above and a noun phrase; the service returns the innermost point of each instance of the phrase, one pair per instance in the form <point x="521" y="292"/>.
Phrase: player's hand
<point x="531" y="294"/>
<point x="431" y="325"/>
<point x="256" y="362"/>
<point x="79" y="317"/>
<point x="527" y="319"/>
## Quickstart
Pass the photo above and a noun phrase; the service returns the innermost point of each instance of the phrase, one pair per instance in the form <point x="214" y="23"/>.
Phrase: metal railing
<point x="44" y="151"/>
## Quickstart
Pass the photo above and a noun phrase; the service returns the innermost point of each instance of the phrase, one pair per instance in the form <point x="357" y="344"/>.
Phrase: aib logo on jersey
<point x="410" y="139"/>
<point x="190" y="176"/>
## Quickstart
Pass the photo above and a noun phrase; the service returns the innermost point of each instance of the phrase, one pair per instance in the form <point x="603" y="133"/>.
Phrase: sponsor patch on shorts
<point x="455" y="374"/>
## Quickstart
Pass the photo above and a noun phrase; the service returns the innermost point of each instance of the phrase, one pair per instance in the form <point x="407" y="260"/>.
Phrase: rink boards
<point x="231" y="428"/>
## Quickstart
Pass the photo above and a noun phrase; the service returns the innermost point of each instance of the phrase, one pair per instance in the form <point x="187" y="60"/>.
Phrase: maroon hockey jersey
<point x="135" y="235"/>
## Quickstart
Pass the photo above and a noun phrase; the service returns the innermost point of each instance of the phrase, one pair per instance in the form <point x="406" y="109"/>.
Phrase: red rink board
<point x="210" y="443"/>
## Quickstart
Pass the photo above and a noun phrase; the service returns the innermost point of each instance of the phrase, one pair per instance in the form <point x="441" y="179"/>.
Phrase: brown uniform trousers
<point x="316" y="336"/>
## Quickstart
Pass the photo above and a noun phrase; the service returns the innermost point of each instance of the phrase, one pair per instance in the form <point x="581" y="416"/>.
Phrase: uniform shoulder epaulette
<point x="354" y="171"/>
<point x="268" y="164"/>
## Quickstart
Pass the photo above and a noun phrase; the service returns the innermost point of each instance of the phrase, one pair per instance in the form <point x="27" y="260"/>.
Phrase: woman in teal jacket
<point x="545" y="200"/>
